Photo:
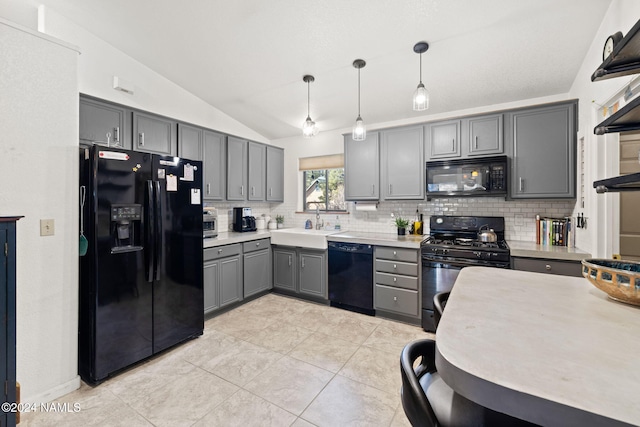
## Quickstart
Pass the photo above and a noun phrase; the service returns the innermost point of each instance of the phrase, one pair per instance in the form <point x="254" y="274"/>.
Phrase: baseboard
<point x="55" y="392"/>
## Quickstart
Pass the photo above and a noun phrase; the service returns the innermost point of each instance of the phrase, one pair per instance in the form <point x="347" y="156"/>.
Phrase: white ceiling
<point x="247" y="57"/>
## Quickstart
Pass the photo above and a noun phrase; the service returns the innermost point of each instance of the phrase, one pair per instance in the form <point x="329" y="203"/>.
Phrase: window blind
<point x="331" y="161"/>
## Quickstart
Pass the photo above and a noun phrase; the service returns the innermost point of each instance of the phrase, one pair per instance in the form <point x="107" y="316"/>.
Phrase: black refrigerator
<point x="141" y="277"/>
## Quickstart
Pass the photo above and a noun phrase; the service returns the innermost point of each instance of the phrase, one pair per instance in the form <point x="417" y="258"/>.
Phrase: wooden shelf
<point x="624" y="60"/>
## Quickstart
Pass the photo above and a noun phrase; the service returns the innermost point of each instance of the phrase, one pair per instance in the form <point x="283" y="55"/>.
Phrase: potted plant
<point x="280" y="221"/>
<point x="402" y="224"/>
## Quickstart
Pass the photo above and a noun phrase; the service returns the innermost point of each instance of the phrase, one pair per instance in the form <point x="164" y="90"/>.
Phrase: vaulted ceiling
<point x="247" y="57"/>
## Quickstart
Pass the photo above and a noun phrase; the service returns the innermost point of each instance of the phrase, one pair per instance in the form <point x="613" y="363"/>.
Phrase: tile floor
<point x="275" y="361"/>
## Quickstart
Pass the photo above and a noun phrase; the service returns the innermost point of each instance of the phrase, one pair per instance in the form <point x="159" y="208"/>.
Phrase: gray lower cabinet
<point x="223" y="276"/>
<point x="402" y="164"/>
<point x="543" y="140"/>
<point x="485" y="135"/>
<point x="301" y="271"/>
<point x="104" y="123"/>
<point x="215" y="165"/>
<point x="257" y="267"/>
<point x="236" y="169"/>
<point x="189" y="142"/>
<point x="442" y="139"/>
<point x="397" y="282"/>
<point x="361" y="168"/>
<point x="275" y="174"/>
<point x="154" y="134"/>
<point x="257" y="155"/>
<point x="548" y="266"/>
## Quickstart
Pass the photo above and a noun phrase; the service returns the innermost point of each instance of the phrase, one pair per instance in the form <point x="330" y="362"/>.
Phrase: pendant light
<point x="309" y="128"/>
<point x="420" y="96"/>
<point x="359" y="130"/>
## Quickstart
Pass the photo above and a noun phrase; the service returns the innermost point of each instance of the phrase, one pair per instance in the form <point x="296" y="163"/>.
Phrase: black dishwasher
<point x="351" y="277"/>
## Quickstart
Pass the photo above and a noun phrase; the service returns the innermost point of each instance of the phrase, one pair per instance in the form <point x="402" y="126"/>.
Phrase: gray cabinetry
<point x="485" y="135"/>
<point x="223" y="276"/>
<point x="189" y="142"/>
<point x="442" y="139"/>
<point x="300" y="271"/>
<point x="257" y="266"/>
<point x="154" y="134"/>
<point x="104" y="123"/>
<point x="402" y="164"/>
<point x="275" y="174"/>
<point x="361" y="168"/>
<point x="257" y="154"/>
<point x="544" y="151"/>
<point x="397" y="280"/>
<point x="549" y="266"/>
<point x="214" y="163"/>
<point x="236" y="169"/>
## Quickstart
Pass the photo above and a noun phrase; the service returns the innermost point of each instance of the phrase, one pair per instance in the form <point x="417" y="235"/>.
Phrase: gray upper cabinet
<point x="544" y="151"/>
<point x="103" y="123"/>
<point x="361" y="168"/>
<point x="443" y="139"/>
<point x="275" y="174"/>
<point x="236" y="169"/>
<point x="485" y="135"/>
<point x="154" y="134"/>
<point x="215" y="165"/>
<point x="257" y="171"/>
<point x="402" y="164"/>
<point x="189" y="142"/>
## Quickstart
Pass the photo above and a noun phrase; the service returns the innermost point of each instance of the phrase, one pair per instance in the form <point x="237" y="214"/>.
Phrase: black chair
<point x="428" y="401"/>
<point x="439" y="301"/>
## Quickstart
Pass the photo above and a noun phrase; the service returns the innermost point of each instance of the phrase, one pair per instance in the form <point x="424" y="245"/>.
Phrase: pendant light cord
<point x="421" y="68"/>
<point x="358" y="92"/>
<point x="308" y="99"/>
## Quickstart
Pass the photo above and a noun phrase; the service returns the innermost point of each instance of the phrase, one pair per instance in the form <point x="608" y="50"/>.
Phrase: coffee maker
<point x="243" y="220"/>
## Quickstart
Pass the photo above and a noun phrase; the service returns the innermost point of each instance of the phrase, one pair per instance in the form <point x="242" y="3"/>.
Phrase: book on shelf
<point x="555" y="231"/>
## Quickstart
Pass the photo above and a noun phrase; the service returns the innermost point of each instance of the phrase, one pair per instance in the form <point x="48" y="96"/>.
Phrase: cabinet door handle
<point x="395" y="267"/>
<point x="373" y="189"/>
<point x="521" y="184"/>
<point x="289" y="260"/>
<point x="242" y="190"/>
<point x="116" y="134"/>
<point x="208" y="188"/>
<point x="453" y="145"/>
<point x="395" y="253"/>
<point x="270" y="192"/>
<point x="302" y="261"/>
<point x="390" y="189"/>
<point x="253" y="190"/>
<point x="219" y="251"/>
<point x="141" y="139"/>
<point x="548" y="267"/>
<point x="258" y="244"/>
<point x="476" y="142"/>
<point x="395" y="298"/>
<point x="395" y="279"/>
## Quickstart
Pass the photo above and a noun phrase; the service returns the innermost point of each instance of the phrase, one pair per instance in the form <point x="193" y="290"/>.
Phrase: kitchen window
<point x="324" y="190"/>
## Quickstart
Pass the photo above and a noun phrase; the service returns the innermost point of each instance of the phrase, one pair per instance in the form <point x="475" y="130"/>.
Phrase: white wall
<point x="39" y="175"/>
<point x="601" y="151"/>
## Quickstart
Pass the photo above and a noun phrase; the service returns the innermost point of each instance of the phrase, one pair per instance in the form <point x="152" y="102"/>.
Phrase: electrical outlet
<point x="47" y="227"/>
<point x="519" y="220"/>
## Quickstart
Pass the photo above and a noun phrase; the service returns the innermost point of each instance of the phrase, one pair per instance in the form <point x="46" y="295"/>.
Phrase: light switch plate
<point x="47" y="227"/>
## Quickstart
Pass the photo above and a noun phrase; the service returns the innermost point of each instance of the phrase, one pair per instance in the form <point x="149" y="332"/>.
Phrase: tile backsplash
<point x="519" y="215"/>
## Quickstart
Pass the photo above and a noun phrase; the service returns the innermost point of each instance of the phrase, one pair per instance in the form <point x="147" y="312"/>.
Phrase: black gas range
<point x="452" y="245"/>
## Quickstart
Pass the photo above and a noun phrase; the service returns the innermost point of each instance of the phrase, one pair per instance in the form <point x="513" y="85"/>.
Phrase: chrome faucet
<point x="318" y="225"/>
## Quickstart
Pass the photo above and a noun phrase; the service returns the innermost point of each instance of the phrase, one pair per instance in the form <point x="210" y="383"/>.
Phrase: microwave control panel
<point x="498" y="181"/>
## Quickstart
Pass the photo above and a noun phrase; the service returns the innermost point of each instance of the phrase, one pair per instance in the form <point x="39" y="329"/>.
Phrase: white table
<point x="550" y="349"/>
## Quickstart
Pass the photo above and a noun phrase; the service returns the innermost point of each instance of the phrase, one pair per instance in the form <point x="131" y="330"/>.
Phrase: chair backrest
<point x="439" y="301"/>
<point x="414" y="400"/>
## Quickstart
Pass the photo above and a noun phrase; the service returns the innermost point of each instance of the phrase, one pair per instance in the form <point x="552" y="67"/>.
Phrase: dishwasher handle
<point x="358" y="248"/>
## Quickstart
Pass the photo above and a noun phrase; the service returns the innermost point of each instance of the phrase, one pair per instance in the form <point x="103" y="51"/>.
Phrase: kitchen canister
<point x="272" y="225"/>
<point x="260" y="223"/>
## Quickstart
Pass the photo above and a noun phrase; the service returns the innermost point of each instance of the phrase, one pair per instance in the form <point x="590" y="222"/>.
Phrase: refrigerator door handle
<point x="158" y="229"/>
<point x="150" y="225"/>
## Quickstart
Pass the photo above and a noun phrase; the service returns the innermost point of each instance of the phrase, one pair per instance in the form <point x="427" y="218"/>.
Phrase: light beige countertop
<point x="229" y="237"/>
<point x="532" y="250"/>
<point x="378" y="239"/>
<point x="550" y="349"/>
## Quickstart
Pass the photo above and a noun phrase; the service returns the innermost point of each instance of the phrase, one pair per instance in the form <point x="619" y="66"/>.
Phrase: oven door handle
<point x="458" y="263"/>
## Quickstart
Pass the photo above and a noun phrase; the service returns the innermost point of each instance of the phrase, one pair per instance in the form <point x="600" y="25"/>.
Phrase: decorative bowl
<point x="619" y="279"/>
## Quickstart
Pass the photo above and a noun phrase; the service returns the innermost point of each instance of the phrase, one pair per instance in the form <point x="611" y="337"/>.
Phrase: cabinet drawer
<point x="255" y="245"/>
<point x="564" y="268"/>
<point x="222" y="251"/>
<point x="397" y="300"/>
<point x="398" y="280"/>
<point x="397" y="254"/>
<point x="405" y="268"/>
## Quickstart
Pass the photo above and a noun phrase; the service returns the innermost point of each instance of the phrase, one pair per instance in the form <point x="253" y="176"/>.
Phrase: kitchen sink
<point x="301" y="237"/>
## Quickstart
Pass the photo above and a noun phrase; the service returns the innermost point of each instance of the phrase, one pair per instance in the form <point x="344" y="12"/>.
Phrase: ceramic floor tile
<point x="376" y="368"/>
<point x="312" y="316"/>
<point x="400" y="419"/>
<point x="393" y="336"/>
<point x="349" y="403"/>
<point x="239" y="324"/>
<point x="324" y="351"/>
<point x="273" y="307"/>
<point x="186" y="400"/>
<point x="290" y="384"/>
<point x="302" y="423"/>
<point x="355" y="329"/>
<point x="208" y="346"/>
<point x="246" y="409"/>
<point x="240" y="363"/>
<point x="281" y="337"/>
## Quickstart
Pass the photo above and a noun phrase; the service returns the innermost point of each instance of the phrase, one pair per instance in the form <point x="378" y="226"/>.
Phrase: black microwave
<point x="483" y="176"/>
